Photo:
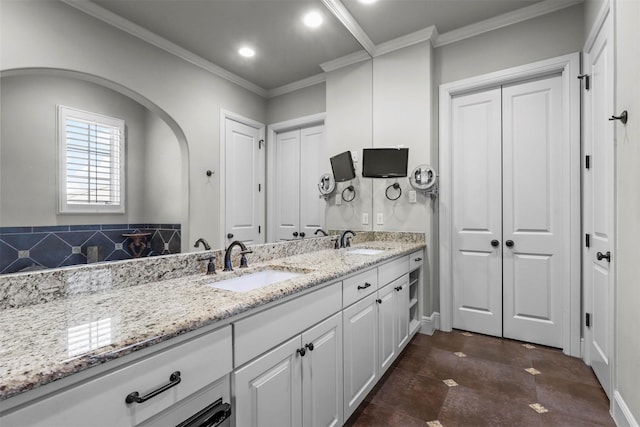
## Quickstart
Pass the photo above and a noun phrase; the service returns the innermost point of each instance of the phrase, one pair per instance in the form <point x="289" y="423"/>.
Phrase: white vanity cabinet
<point x="204" y="363"/>
<point x="299" y="382"/>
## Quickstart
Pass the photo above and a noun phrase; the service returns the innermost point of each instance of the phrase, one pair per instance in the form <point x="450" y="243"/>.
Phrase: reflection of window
<point x="91" y="148"/>
<point x="87" y="337"/>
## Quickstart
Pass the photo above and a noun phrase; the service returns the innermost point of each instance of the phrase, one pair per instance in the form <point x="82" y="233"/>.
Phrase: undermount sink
<point x="364" y="251"/>
<point x="254" y="281"/>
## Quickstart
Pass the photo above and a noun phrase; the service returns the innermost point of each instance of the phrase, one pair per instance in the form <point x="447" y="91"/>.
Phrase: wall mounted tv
<point x="384" y="162"/>
<point x="342" y="166"/>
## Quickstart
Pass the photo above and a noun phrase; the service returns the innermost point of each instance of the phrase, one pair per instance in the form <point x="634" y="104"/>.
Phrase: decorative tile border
<point x="42" y="247"/>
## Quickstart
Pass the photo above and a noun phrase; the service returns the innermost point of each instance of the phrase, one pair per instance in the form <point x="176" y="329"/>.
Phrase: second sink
<point x="254" y="281"/>
<point x="364" y="251"/>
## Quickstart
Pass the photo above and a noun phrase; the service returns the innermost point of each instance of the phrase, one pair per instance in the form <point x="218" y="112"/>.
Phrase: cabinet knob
<point x="301" y="351"/>
<point x="509" y="243"/>
<point x="309" y="346"/>
<point x="295" y="234"/>
<point x="302" y="234"/>
<point x="495" y="243"/>
<point x="230" y="236"/>
<point x="379" y="301"/>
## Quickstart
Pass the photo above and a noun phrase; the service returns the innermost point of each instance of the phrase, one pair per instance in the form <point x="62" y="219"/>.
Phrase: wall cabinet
<point x="299" y="383"/>
<point x="298" y="209"/>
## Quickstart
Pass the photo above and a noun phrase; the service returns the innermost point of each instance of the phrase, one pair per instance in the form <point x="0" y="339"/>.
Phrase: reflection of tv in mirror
<point x="342" y="166"/>
<point x="384" y="162"/>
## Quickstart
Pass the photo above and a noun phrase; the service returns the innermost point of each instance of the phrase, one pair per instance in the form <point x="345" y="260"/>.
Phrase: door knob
<point x="602" y="256"/>
<point x="495" y="243"/>
<point x="295" y="234"/>
<point x="509" y="243"/>
<point x="229" y="236"/>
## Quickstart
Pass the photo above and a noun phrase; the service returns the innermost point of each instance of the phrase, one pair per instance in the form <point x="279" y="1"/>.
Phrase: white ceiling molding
<point x="343" y="61"/>
<point x="123" y="24"/>
<point x="504" y="20"/>
<point x="339" y="11"/>
<point x="300" y="84"/>
<point x="426" y="34"/>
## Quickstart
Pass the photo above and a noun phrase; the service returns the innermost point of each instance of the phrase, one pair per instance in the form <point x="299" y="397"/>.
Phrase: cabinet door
<point x="322" y="374"/>
<point x="360" y="330"/>
<point x="268" y="390"/>
<point x="401" y="310"/>
<point x="386" y="327"/>
<point x="311" y="167"/>
<point x="287" y="191"/>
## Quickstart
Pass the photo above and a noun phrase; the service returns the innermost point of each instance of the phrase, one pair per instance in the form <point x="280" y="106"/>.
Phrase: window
<point x="91" y="152"/>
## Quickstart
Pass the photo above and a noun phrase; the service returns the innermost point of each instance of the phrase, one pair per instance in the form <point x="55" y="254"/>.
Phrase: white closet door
<point x="477" y="212"/>
<point x="599" y="207"/>
<point x="243" y="174"/>
<point x="536" y="219"/>
<point x="311" y="206"/>
<point x="287" y="176"/>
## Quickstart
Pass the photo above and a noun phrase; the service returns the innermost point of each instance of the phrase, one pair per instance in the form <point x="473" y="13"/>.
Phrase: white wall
<point x="349" y="127"/>
<point x="50" y="34"/>
<point x="302" y="102"/>
<point x="29" y="148"/>
<point x="627" y="315"/>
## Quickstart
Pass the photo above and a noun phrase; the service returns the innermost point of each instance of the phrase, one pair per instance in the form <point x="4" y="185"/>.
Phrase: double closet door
<point x="511" y="211"/>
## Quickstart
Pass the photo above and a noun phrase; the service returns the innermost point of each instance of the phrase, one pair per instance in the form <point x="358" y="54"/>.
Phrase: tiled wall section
<point x="33" y="248"/>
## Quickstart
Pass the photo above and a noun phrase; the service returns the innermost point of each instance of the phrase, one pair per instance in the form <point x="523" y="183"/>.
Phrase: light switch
<point x="380" y="219"/>
<point x="354" y="156"/>
<point x="365" y="218"/>
<point x="412" y="196"/>
<point x="338" y="199"/>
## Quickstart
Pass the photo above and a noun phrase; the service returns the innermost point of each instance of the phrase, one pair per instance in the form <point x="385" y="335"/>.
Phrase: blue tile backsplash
<point x="38" y="247"/>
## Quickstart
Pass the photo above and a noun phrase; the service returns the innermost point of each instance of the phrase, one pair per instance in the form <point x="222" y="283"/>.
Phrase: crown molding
<point x="339" y="11"/>
<point x="504" y="20"/>
<point x="343" y="61"/>
<point x="300" y="84"/>
<point x="426" y="34"/>
<point x="135" y="30"/>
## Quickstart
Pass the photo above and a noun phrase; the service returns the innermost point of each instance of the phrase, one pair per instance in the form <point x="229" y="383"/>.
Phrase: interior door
<point x="535" y="211"/>
<point x="311" y="168"/>
<point x="243" y="178"/>
<point x="477" y="212"/>
<point x="599" y="207"/>
<point x="287" y="178"/>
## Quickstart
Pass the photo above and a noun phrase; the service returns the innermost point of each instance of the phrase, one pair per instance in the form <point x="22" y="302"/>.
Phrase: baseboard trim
<point x="430" y="324"/>
<point x="621" y="413"/>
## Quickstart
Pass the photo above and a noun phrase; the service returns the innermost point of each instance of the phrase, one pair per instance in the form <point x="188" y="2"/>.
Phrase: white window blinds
<point x="91" y="162"/>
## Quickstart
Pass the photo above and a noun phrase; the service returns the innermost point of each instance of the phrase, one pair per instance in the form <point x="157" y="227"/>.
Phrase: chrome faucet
<point x="320" y="230"/>
<point x="204" y="242"/>
<point x="243" y="252"/>
<point x="345" y="241"/>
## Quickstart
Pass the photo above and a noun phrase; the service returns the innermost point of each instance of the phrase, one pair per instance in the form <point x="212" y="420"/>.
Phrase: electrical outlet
<point x="412" y="196"/>
<point x="338" y="199"/>
<point x="380" y="219"/>
<point x="354" y="156"/>
<point x="365" y="218"/>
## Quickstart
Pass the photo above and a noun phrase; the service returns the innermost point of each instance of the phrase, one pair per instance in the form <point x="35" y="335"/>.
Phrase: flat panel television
<point x="384" y="162"/>
<point x="342" y="166"/>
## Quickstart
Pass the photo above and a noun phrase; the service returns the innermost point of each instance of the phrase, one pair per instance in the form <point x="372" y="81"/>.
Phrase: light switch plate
<point x="338" y="199"/>
<point x="412" y="196"/>
<point x="354" y="156"/>
<point x="365" y="218"/>
<point x="380" y="218"/>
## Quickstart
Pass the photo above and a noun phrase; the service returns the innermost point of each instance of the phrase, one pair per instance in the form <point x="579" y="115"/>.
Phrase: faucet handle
<point x="347" y="243"/>
<point x="247" y="251"/>
<point x="336" y="242"/>
<point x="211" y="265"/>
<point x="243" y="261"/>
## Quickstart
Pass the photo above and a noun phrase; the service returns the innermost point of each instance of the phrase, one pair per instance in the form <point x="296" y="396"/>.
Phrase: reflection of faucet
<point x="320" y="230"/>
<point x="204" y="242"/>
<point x="243" y="252"/>
<point x="345" y="241"/>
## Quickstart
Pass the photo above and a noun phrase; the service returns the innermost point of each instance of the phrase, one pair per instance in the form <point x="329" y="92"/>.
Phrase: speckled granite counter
<point x="37" y="341"/>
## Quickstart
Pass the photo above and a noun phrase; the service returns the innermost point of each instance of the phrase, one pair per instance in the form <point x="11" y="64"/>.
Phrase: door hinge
<point x="587" y="320"/>
<point x="587" y="240"/>
<point x="587" y="162"/>
<point x="586" y="79"/>
<point x="259" y="229"/>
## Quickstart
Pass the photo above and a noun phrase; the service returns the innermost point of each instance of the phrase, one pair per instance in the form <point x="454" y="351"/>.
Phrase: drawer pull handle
<point x="174" y="380"/>
<point x="417" y="259"/>
<point x="398" y="288"/>
<point x="365" y="286"/>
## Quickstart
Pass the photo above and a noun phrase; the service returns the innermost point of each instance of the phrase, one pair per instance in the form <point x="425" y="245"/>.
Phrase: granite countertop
<point x="45" y="342"/>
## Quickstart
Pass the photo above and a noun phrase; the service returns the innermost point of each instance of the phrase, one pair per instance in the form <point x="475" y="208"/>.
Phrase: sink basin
<point x="364" y="251"/>
<point x="254" y="281"/>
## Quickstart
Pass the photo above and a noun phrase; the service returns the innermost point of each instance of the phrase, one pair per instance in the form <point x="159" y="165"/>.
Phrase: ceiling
<point x="286" y="50"/>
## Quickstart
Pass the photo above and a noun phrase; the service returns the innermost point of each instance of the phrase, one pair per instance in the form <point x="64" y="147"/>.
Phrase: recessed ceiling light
<point x="312" y="19"/>
<point x="247" y="52"/>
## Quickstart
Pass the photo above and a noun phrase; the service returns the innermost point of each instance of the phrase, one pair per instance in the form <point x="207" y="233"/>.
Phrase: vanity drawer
<point x="101" y="401"/>
<point x="390" y="271"/>
<point x="415" y="260"/>
<point x="256" y="334"/>
<point x="359" y="286"/>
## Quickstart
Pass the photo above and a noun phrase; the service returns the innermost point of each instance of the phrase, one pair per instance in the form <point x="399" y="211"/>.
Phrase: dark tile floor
<point x="491" y="382"/>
